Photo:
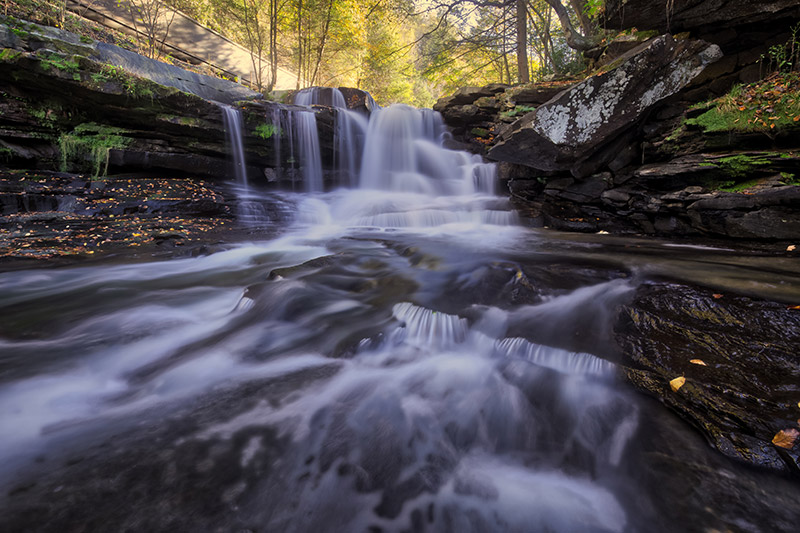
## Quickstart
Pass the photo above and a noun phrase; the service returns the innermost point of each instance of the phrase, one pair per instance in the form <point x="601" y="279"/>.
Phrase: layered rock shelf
<point x="625" y="150"/>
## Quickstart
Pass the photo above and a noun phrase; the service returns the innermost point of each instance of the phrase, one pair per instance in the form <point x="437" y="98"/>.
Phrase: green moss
<point x="768" y="106"/>
<point x="483" y="133"/>
<point x="46" y="115"/>
<point x="738" y="166"/>
<point x="22" y="34"/>
<point x="8" y="55"/>
<point x="518" y="110"/>
<point x="85" y="39"/>
<point x="738" y="187"/>
<point x="133" y="86"/>
<point x="190" y="121"/>
<point x="90" y="143"/>
<point x="266" y="131"/>
<point x="60" y="63"/>
<point x="789" y="179"/>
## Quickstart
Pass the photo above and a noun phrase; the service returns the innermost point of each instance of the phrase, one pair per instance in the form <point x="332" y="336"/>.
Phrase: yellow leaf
<point x="791" y="248"/>
<point x="677" y="383"/>
<point x="794" y="307"/>
<point x="785" y="438"/>
<point x="698" y="362"/>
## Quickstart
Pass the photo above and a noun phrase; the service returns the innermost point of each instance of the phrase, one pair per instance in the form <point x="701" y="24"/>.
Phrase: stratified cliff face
<point x="145" y="115"/>
<point x="629" y="150"/>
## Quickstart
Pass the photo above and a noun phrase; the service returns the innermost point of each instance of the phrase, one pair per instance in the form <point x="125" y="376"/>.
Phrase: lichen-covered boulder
<point x="566" y="131"/>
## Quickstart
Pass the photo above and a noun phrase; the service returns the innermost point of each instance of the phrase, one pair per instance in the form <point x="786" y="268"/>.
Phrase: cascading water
<point x="350" y="132"/>
<point x="249" y="209"/>
<point x="405" y="357"/>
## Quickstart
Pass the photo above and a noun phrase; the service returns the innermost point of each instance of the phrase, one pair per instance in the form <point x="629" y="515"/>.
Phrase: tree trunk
<point x="299" y="42"/>
<point x="587" y="26"/>
<point x="575" y="40"/>
<point x="522" y="42"/>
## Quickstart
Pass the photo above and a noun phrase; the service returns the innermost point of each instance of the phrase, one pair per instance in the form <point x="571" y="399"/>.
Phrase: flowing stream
<point x="405" y="356"/>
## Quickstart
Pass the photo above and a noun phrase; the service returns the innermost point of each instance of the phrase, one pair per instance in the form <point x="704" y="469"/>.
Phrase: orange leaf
<point x="772" y="126"/>
<point x="794" y="308"/>
<point x="677" y="383"/>
<point x="785" y="438"/>
<point x="698" y="362"/>
<point x="717" y="296"/>
<point x="796" y="118"/>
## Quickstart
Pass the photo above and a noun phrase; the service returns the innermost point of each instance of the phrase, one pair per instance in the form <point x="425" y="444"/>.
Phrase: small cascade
<point x="250" y="210"/>
<point x="307" y="140"/>
<point x="404" y="152"/>
<point x="350" y="131"/>
<point x="232" y="120"/>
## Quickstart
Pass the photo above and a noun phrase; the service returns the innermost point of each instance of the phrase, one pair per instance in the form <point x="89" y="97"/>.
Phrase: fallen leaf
<point x="794" y="308"/>
<point x="677" y="383"/>
<point x="785" y="438"/>
<point x="791" y="248"/>
<point x="698" y="362"/>
<point x="717" y="296"/>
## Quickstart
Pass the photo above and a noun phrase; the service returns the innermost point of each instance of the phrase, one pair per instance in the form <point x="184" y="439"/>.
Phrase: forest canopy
<point x="411" y="51"/>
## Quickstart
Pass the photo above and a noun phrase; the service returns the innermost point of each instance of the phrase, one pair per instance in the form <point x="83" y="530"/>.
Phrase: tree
<point x="522" y="41"/>
<point x="257" y="21"/>
<point x="151" y="19"/>
<point x="575" y="39"/>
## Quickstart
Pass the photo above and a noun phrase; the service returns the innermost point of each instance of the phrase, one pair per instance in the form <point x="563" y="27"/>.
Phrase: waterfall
<point x="350" y="131"/>
<point x="232" y="120"/>
<point x="404" y="152"/>
<point x="249" y="209"/>
<point x="305" y="123"/>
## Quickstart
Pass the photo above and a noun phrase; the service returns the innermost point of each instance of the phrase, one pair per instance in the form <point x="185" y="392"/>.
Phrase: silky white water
<point x="403" y="357"/>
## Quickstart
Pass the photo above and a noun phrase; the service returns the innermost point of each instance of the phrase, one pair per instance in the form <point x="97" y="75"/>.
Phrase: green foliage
<point x="8" y="55"/>
<point x="266" y="131"/>
<point x="790" y="179"/>
<point x="60" y="63"/>
<point x="6" y="153"/>
<point x="134" y="86"/>
<point x="88" y="146"/>
<point x="594" y="8"/>
<point x="46" y="114"/>
<point x="518" y="110"/>
<point x="785" y="57"/>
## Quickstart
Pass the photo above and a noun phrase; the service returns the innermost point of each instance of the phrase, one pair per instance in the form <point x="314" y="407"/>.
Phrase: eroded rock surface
<point x="746" y="388"/>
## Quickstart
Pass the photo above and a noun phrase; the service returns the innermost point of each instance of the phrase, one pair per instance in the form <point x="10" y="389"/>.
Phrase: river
<point x="405" y="356"/>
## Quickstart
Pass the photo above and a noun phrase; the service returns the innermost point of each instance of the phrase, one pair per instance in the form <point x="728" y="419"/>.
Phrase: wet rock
<point x="745" y="392"/>
<point x="468" y="95"/>
<point x="570" y="128"/>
